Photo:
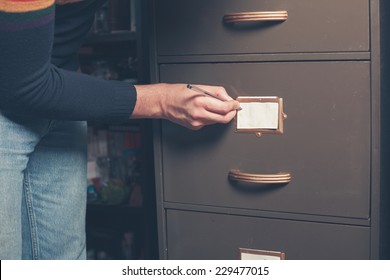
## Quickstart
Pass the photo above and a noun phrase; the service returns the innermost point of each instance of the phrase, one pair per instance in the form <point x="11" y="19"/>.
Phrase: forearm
<point x="150" y="100"/>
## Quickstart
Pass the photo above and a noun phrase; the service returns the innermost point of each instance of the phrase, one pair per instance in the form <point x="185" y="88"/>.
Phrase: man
<point x="44" y="104"/>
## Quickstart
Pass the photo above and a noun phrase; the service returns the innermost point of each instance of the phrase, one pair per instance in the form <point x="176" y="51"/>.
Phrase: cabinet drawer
<point x="325" y="145"/>
<point x="196" y="27"/>
<point x="194" y="235"/>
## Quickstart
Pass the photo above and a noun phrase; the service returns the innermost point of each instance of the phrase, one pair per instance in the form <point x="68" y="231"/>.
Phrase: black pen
<point x="198" y="89"/>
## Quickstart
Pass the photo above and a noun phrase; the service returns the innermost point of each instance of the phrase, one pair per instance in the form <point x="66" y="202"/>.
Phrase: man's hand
<point x="177" y="103"/>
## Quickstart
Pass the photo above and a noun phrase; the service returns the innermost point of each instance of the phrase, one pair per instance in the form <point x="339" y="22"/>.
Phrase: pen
<point x="198" y="89"/>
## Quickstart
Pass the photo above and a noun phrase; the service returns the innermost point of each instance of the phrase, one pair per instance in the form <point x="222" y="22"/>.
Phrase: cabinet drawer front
<point x="325" y="145"/>
<point x="194" y="235"/>
<point x="197" y="27"/>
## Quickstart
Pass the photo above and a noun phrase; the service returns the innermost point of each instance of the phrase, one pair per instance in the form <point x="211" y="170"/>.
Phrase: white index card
<point x="258" y="115"/>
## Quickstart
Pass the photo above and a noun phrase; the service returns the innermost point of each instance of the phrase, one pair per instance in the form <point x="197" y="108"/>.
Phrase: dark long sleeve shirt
<point x="38" y="45"/>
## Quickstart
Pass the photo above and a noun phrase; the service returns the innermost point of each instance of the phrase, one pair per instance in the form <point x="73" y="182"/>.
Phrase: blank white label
<point x="258" y="115"/>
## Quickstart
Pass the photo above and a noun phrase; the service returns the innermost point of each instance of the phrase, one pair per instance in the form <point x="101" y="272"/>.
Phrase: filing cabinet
<point x="327" y="59"/>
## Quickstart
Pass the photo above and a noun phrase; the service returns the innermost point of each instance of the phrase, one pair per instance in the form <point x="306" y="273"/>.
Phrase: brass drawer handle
<point x="278" y="178"/>
<point x="255" y="17"/>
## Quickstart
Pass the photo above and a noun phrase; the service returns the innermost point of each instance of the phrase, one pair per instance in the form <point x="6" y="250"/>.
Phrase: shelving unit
<point x="120" y="212"/>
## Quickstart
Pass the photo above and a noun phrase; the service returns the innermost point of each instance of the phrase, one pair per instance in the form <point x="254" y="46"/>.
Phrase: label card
<point x="260" y="114"/>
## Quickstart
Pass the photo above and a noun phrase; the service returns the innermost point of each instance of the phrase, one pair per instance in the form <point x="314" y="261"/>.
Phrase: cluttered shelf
<point x="115" y="157"/>
<point x="117" y="216"/>
<point x="116" y="227"/>
<point x="110" y="63"/>
<point x="111" y="49"/>
<point x="120" y="220"/>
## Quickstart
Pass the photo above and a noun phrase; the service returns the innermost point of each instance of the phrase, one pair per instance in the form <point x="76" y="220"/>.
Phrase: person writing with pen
<point x="44" y="106"/>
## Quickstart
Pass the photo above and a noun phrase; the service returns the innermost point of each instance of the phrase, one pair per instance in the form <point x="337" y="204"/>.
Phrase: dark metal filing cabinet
<point x="327" y="60"/>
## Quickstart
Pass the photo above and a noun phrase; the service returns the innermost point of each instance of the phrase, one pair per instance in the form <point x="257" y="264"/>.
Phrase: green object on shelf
<point x="114" y="192"/>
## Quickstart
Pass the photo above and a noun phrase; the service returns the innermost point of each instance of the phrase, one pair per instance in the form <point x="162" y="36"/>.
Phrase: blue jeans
<point x="42" y="188"/>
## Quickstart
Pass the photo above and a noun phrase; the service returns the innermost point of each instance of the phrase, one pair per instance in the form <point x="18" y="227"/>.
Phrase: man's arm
<point x="29" y="83"/>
